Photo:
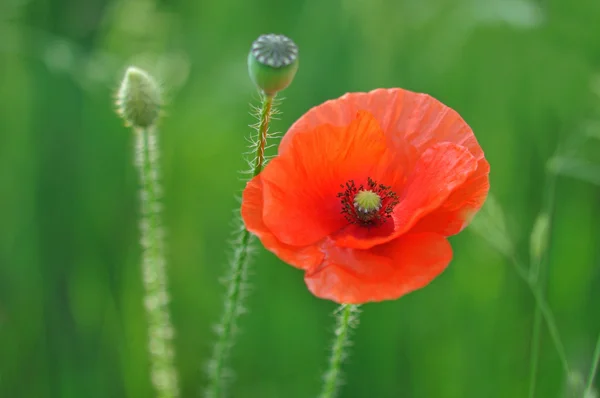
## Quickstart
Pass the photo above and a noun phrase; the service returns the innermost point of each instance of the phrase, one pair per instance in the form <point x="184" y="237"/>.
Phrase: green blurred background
<point x="523" y="74"/>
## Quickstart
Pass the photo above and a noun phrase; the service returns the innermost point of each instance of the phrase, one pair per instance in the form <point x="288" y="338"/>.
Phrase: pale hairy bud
<point x="138" y="98"/>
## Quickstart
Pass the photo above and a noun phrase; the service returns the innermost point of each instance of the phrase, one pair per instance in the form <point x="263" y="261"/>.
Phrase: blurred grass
<point x="71" y="317"/>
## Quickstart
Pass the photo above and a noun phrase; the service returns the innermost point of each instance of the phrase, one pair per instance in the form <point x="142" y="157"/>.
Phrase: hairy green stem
<point x="347" y="315"/>
<point x="238" y="272"/>
<point x="156" y="300"/>
<point x="263" y="130"/>
<point x="593" y="370"/>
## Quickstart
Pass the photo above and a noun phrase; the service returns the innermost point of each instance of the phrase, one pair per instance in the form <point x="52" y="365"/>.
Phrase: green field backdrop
<point x="523" y="73"/>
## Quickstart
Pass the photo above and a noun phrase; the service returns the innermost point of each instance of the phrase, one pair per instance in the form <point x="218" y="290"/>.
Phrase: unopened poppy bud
<point x="273" y="62"/>
<point x="138" y="98"/>
<point x="538" y="240"/>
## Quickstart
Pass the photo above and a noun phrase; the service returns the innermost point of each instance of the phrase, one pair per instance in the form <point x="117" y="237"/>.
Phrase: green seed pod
<point x="138" y="98"/>
<point x="273" y="62"/>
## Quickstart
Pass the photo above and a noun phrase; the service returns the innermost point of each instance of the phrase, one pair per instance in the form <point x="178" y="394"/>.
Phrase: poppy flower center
<point x="367" y="201"/>
<point x="367" y="206"/>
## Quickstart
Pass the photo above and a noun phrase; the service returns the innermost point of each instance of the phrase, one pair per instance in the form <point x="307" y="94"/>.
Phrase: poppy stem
<point x="347" y="318"/>
<point x="266" y="112"/>
<point x="160" y="329"/>
<point x="238" y="273"/>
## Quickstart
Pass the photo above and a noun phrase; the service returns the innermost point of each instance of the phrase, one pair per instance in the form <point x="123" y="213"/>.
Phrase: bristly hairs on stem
<point x="237" y="278"/>
<point x="347" y="318"/>
<point x="139" y="102"/>
<point x="272" y="64"/>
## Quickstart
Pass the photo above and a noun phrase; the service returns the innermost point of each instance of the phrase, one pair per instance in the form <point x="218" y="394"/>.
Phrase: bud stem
<point x="347" y="315"/>
<point x="160" y="330"/>
<point x="265" y="119"/>
<point x="536" y="279"/>
<point x="238" y="273"/>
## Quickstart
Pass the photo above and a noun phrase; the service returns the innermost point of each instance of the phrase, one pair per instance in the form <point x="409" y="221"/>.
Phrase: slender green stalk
<point x="545" y="311"/>
<point x="537" y="275"/>
<point x="593" y="369"/>
<point x="534" y="352"/>
<point x="490" y="225"/>
<point x="488" y="221"/>
<point x="551" y="324"/>
<point x="160" y="330"/>
<point x="238" y="272"/>
<point x="347" y="317"/>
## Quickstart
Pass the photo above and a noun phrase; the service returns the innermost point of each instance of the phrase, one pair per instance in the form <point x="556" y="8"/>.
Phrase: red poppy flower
<point x="364" y="191"/>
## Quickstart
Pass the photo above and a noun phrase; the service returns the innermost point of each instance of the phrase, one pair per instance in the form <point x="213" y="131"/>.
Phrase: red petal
<point x="408" y="120"/>
<point x="301" y="206"/>
<point x="252" y="210"/>
<point x="441" y="169"/>
<point x="460" y="207"/>
<point x="385" y="272"/>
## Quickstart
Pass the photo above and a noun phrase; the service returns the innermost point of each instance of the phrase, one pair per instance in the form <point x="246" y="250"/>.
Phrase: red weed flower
<point x="364" y="191"/>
